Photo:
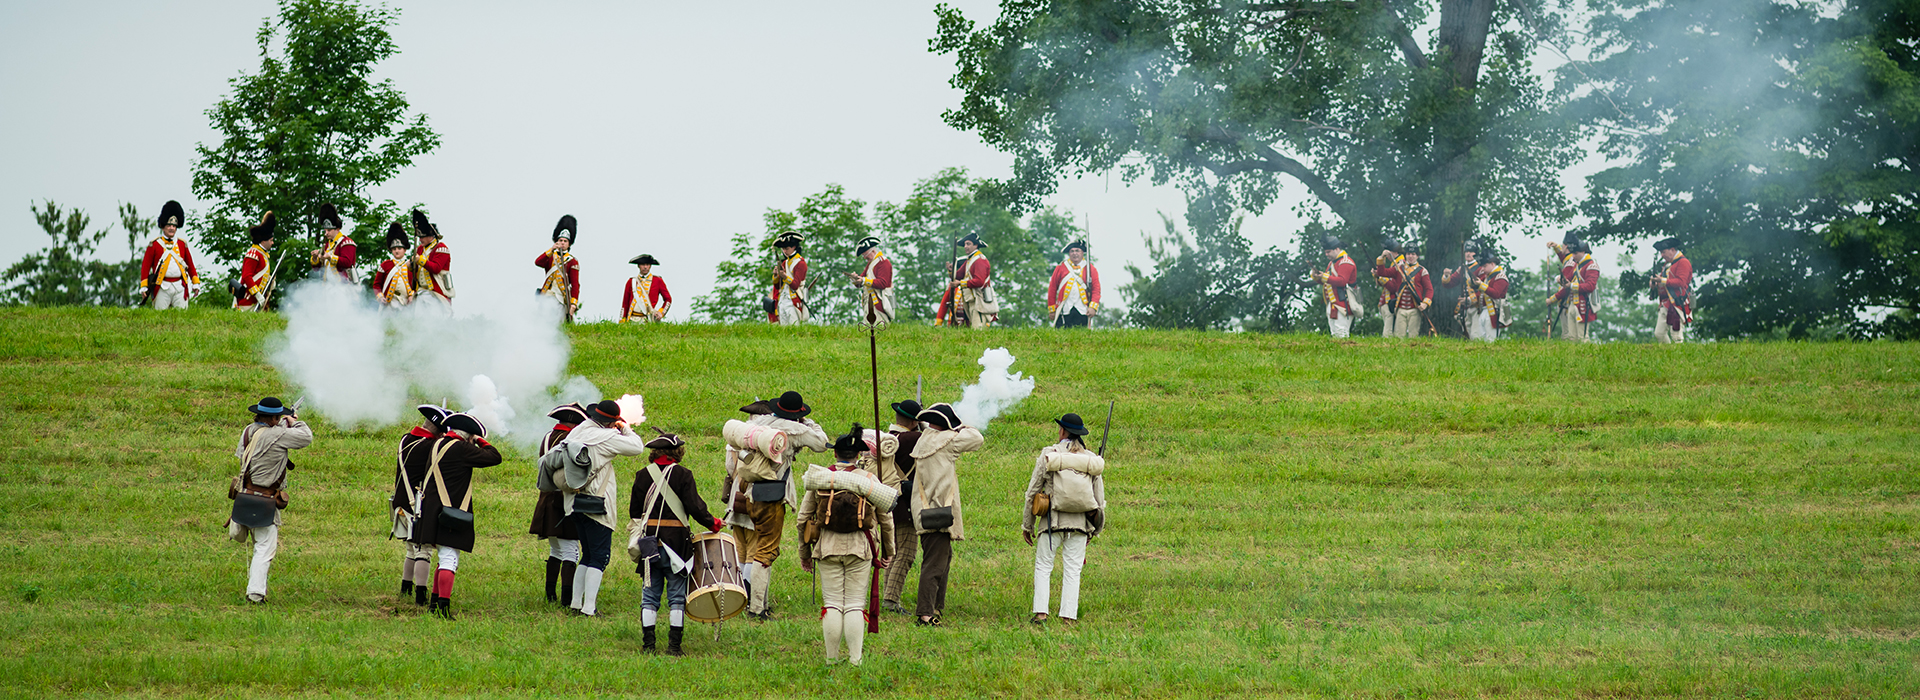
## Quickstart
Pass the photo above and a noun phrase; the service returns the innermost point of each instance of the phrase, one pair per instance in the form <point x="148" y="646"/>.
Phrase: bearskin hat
<point x="397" y="236"/>
<point x="422" y="227"/>
<point x="171" y="214"/>
<point x="263" y="231"/>
<point x="567" y="228"/>
<point x="330" y="217"/>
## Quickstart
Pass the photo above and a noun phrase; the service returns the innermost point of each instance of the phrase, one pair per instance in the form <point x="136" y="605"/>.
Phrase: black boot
<point x="566" y="582"/>
<point x="406" y="588"/>
<point x="553" y="576"/>
<point x="420" y="595"/>
<point x="646" y="638"/>
<point x="442" y="607"/>
<point x="673" y="639"/>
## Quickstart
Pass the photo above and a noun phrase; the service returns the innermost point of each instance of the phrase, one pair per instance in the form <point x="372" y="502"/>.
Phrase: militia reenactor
<point x="1573" y="300"/>
<point x="875" y="283"/>
<point x="167" y="275"/>
<point x="647" y="299"/>
<point x="432" y="264"/>
<point x="897" y="472"/>
<point x="668" y="514"/>
<point x="1337" y="287"/>
<point x="1058" y="495"/>
<point x="446" y="512"/>
<point x="970" y="300"/>
<point x="255" y="286"/>
<point x="759" y="508"/>
<point x="1673" y="287"/>
<point x="1482" y="307"/>
<point x="606" y="435"/>
<point x="264" y="463"/>
<point x="1073" y="294"/>
<point x="416" y="573"/>
<point x="550" y="521"/>
<point x="787" y="301"/>
<point x="562" y="283"/>
<point x="845" y="539"/>
<point x="936" y="504"/>
<point x="393" y="280"/>
<point x="335" y="257"/>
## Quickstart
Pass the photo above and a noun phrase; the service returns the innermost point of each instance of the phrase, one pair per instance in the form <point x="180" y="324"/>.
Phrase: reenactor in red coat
<point x="1408" y="290"/>
<point x="1336" y="287"/>
<point x="255" y="286"/>
<point x="562" y="283"/>
<point x="393" y="281"/>
<point x="1573" y="301"/>
<point x="1073" y="294"/>
<point x="336" y="254"/>
<point x="646" y="299"/>
<point x="1482" y="308"/>
<point x="1385" y="274"/>
<point x="1673" y="287"/>
<point x="167" y="275"/>
<point x="432" y="264"/>
<point x="875" y="283"/>
<point x="786" y="303"/>
<point x="970" y="300"/>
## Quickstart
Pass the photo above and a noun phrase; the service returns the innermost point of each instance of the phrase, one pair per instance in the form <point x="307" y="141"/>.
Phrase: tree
<point x="1212" y="280"/>
<point x="833" y="223"/>
<point x="311" y="127"/>
<point x="1777" y="141"/>
<point x="1231" y="99"/>
<point x="64" y="274"/>
<point x="920" y="235"/>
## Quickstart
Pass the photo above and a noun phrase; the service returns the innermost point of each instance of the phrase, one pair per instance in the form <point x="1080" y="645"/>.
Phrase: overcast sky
<point x="663" y="127"/>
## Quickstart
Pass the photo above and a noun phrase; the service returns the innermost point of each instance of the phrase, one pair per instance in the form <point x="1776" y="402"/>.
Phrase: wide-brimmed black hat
<point x="263" y="231"/>
<point x="567" y="228"/>
<point x="1666" y="244"/>
<point x="422" y="227"/>
<point x="1081" y="244"/>
<point x="172" y="214"/>
<point x="269" y="406"/>
<point x="789" y="239"/>
<point x="665" y="441"/>
<point x="1072" y="424"/>
<point x="436" y="415"/>
<point x="790" y="406"/>
<point x="606" y="411"/>
<point x="466" y="422"/>
<point x="397" y="236"/>
<point x="909" y="408"/>
<point x="643" y="259"/>
<point x="330" y="217"/>
<point x="940" y="414"/>
<point x="1329" y="242"/>
<point x="974" y="237"/>
<point x="854" y="441"/>
<point x="866" y="244"/>
<point x="568" y="413"/>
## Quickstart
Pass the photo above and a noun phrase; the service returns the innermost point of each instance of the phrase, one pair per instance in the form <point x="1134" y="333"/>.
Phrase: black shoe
<point x="646" y="638"/>
<point x="406" y="588"/>
<point x="442" y="607"/>
<point x="1039" y="619"/>
<point x="762" y="616"/>
<point x="420" y="595"/>
<point x="673" y="640"/>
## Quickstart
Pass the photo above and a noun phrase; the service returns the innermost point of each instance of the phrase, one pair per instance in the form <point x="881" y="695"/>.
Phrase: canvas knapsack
<point x="845" y="511"/>
<point x="568" y="456"/>
<point x="1073" y="492"/>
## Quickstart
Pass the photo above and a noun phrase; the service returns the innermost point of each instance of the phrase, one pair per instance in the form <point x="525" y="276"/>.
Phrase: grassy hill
<point x="1291" y="515"/>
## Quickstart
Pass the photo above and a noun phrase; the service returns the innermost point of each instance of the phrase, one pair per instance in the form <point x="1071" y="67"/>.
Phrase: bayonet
<point x="1103" y="431"/>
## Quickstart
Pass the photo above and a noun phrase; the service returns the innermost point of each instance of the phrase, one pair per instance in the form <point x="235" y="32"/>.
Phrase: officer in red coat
<point x="1673" y="287"/>
<point x="875" y="282"/>
<point x="1073" y="294"/>
<point x="647" y="299"/>
<point x="334" y="259"/>
<point x="255" y="286"/>
<point x="167" y="275"/>
<point x="562" y="283"/>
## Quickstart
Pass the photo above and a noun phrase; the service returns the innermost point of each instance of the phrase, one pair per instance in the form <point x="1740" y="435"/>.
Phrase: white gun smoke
<point x="362" y="365"/>
<point x="996" y="391"/>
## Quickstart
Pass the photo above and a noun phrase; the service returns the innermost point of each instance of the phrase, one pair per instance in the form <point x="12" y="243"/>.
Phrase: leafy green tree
<point x="1775" y="139"/>
<point x="311" y="127"/>
<point x="833" y="223"/>
<point x="1212" y="280"/>
<point x="920" y="235"/>
<point x="1235" y="98"/>
<point x="65" y="273"/>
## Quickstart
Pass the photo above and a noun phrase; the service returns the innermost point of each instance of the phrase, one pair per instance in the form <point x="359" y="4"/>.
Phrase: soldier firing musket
<point x="562" y="283"/>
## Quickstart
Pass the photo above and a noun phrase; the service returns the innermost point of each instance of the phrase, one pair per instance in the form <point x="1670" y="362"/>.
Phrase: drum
<point x="718" y="593"/>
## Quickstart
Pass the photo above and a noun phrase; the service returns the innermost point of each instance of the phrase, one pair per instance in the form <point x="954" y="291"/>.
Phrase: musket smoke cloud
<point x="996" y="391"/>
<point x="362" y="365"/>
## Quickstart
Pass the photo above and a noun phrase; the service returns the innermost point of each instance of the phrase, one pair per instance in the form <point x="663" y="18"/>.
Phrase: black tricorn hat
<point x="269" y="406"/>
<point x="975" y="237"/>
<point x="434" y="414"/>
<point x="171" y="214"/>
<point x="790" y="406"/>
<point x="940" y="414"/>
<point x="1081" y="244"/>
<point x="1666" y="244"/>
<point x="570" y="414"/>
<point x="1570" y="239"/>
<point x="909" y="408"/>
<point x="1473" y="246"/>
<point x="397" y="236"/>
<point x="866" y="244"/>
<point x="422" y="227"/>
<point x="1329" y="242"/>
<point x="567" y="228"/>
<point x="854" y="441"/>
<point x="758" y="408"/>
<point x="1486" y="256"/>
<point x="1072" y="424"/>
<point x="466" y="422"/>
<point x="643" y="259"/>
<point x="790" y="239"/>
<point x="1392" y="245"/>
<point x="263" y="231"/>
<point x="330" y="217"/>
<point x="666" y="441"/>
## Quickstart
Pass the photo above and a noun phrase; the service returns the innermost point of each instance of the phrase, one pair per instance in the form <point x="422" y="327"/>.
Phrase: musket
<point x="916" y="388"/>
<point x="273" y="279"/>
<point x="1103" y="431"/>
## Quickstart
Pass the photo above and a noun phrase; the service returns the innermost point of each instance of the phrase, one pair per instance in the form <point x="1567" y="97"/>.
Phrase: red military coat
<point x="657" y="297"/>
<point x="1585" y="273"/>
<point x="437" y="261"/>
<point x="179" y="265"/>
<point x="254" y="276"/>
<point x="572" y="267"/>
<point x="344" y="253"/>
<point x="976" y="273"/>
<point x="1342" y="273"/>
<point x="1089" y="285"/>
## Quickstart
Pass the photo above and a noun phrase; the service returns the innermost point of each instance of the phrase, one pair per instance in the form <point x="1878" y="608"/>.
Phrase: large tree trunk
<point x="1457" y="179"/>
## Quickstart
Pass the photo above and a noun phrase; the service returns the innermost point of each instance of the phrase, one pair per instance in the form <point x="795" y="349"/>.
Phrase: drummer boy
<point x="664" y="514"/>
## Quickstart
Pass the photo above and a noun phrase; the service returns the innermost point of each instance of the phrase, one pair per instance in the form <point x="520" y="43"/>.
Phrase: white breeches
<point x="1480" y="326"/>
<point x="266" y="544"/>
<point x="172" y="294"/>
<point x="1663" y="333"/>
<point x="1571" y="327"/>
<point x="1071" y="549"/>
<point x="789" y="314"/>
<point x="1402" y="323"/>
<point x="449" y="559"/>
<point x="1340" y="322"/>
<point x="564" y="550"/>
<point x="845" y="580"/>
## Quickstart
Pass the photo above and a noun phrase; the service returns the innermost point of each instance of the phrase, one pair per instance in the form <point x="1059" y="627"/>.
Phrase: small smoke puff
<point x="996" y="391"/>
<point x="485" y="403"/>
<point x="632" y="409"/>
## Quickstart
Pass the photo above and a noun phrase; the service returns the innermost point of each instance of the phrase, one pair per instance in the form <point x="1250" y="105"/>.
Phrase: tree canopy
<point x="65" y="273"/>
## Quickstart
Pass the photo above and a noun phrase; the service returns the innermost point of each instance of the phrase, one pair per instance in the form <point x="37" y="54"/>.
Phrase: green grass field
<point x="1291" y="515"/>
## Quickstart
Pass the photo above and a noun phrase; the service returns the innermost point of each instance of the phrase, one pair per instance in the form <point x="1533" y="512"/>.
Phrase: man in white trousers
<point x="1066" y="481"/>
<point x="263" y="448"/>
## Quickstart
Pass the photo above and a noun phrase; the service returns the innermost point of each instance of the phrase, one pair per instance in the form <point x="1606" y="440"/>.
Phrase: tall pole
<point x="873" y="355"/>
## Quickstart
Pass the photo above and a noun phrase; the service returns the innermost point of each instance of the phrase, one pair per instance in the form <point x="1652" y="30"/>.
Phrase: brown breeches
<point x="762" y="543"/>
